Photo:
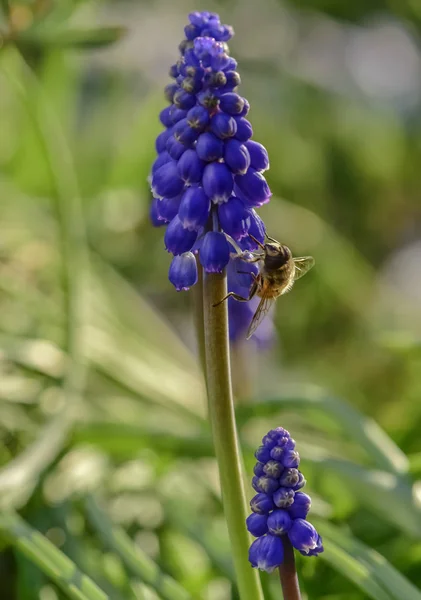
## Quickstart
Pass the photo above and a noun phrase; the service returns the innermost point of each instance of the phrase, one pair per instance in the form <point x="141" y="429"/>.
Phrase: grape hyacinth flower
<point x="280" y="508"/>
<point x="207" y="180"/>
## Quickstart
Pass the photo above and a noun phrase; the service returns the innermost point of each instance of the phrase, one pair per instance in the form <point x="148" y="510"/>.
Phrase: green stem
<point x="221" y="411"/>
<point x="198" y="317"/>
<point x="41" y="552"/>
<point x="288" y="573"/>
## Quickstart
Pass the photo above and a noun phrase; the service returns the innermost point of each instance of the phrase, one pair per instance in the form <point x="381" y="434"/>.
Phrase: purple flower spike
<point x="278" y="509"/>
<point x="206" y="181"/>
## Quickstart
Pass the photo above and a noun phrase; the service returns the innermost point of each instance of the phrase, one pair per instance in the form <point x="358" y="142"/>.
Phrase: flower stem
<point x="221" y="412"/>
<point x="288" y="573"/>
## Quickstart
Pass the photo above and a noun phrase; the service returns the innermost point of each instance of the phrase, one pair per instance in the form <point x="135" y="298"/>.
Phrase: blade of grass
<point x="56" y="565"/>
<point x="351" y="556"/>
<point x="74" y="260"/>
<point x="137" y="562"/>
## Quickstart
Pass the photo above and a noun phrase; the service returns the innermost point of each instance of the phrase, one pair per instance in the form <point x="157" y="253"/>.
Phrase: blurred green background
<point x="104" y="443"/>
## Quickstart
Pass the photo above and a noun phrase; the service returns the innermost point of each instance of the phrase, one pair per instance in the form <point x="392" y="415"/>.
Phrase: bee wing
<point x="261" y="312"/>
<point x="302" y="265"/>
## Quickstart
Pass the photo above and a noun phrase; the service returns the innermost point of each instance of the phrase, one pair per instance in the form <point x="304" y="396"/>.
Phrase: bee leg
<point x="232" y="295"/>
<point x="238" y="297"/>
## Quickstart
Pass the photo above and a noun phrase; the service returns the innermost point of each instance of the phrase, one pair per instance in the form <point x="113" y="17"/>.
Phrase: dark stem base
<point x="288" y="573"/>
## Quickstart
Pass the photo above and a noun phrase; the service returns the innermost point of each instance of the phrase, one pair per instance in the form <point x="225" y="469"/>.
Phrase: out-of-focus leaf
<point x="20" y="476"/>
<point x="138" y="563"/>
<point x="70" y="38"/>
<point x="365" y="567"/>
<point x="39" y="550"/>
<point x="363" y="430"/>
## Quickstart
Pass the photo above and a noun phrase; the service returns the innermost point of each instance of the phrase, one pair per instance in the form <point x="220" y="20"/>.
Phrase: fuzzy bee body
<point x="277" y="274"/>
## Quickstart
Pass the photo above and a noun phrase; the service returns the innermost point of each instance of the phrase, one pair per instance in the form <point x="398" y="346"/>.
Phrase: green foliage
<point x="101" y="394"/>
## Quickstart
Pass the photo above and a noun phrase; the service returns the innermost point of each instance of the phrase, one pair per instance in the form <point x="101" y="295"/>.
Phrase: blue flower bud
<point x="231" y="103"/>
<point x="170" y="90"/>
<point x="162" y="159"/>
<point x="262" y="454"/>
<point x="192" y="85"/>
<point x="233" y="218"/>
<point x="303" y="536"/>
<point x="258" y="469"/>
<point x="254" y="188"/>
<point x="209" y="147"/>
<point x="279" y="522"/>
<point x="236" y="156"/>
<point x="154" y="215"/>
<point x="176" y="114"/>
<point x="220" y="62"/>
<point x="246" y="108"/>
<point x="300" y="483"/>
<point x="289" y="478"/>
<point x="184" y="133"/>
<point x="266" y="485"/>
<point x="214" y="253"/>
<point x="174" y="71"/>
<point x="233" y="78"/>
<point x="178" y="239"/>
<point x="276" y="453"/>
<point x="192" y="31"/>
<point x="277" y="434"/>
<point x="190" y="167"/>
<point x="165" y="116"/>
<point x="184" y="100"/>
<point x="168" y="208"/>
<point x="273" y="468"/>
<point x="175" y="148"/>
<point x="257" y="524"/>
<point x="269" y="442"/>
<point x="223" y="125"/>
<point x="183" y="271"/>
<point x="262" y="504"/>
<point x="217" y="182"/>
<point x="266" y="553"/>
<point x="258" y="230"/>
<point x="194" y="208"/>
<point x="244" y="129"/>
<point x="284" y="497"/>
<point x="286" y="442"/>
<point x="208" y="99"/>
<point x="290" y="459"/>
<point x="198" y="118"/>
<point x="166" y="181"/>
<point x="317" y="550"/>
<point x="258" y="155"/>
<point x="161" y="140"/>
<point x="301" y="506"/>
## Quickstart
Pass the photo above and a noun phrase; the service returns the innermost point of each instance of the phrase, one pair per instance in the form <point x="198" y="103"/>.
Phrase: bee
<point x="278" y="272"/>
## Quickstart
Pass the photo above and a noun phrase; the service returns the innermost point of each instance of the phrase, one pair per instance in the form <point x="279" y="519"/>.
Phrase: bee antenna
<point x="272" y="239"/>
<point x="257" y="241"/>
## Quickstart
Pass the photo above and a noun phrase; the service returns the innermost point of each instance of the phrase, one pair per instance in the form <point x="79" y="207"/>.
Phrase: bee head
<point x="276" y="255"/>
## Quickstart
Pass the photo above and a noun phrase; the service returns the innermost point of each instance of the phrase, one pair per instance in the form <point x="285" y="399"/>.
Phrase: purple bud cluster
<point x="207" y="179"/>
<point x="279" y="507"/>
